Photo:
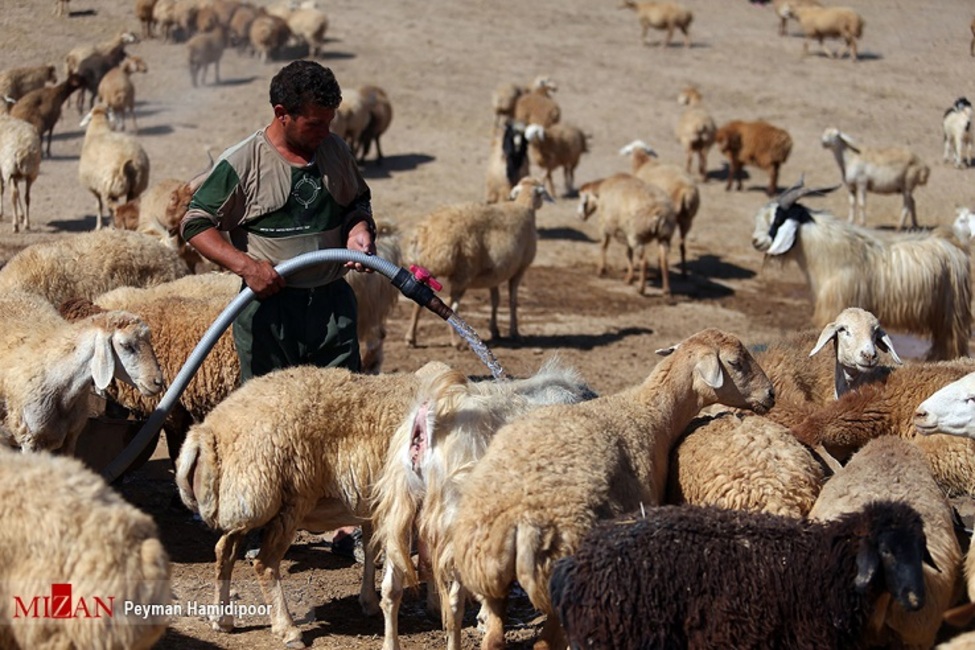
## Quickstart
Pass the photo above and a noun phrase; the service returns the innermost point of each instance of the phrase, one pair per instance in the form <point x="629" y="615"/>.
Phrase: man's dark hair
<point x="305" y="82"/>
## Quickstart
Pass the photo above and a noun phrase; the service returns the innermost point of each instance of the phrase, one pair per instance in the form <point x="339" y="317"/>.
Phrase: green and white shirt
<point x="275" y="210"/>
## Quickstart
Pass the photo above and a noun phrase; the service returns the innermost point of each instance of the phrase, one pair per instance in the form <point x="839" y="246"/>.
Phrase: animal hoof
<point x="223" y="624"/>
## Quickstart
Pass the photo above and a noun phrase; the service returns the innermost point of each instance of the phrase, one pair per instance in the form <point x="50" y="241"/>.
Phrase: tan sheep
<point x="20" y="160"/>
<point x="754" y="143"/>
<point x="93" y="61"/>
<point x="239" y="26"/>
<point x="507" y="161"/>
<point x="117" y="92"/>
<point x="113" y="166"/>
<point x="635" y="213"/>
<point x="309" y="25"/>
<point x="204" y="49"/>
<point x="891" y="468"/>
<point x="17" y="82"/>
<point x="782" y="9"/>
<point x="42" y="106"/>
<point x="560" y="145"/>
<point x="267" y="35"/>
<point x="537" y="105"/>
<point x="476" y="246"/>
<point x="662" y="16"/>
<point x="549" y="476"/>
<point x="503" y="100"/>
<point x="380" y="117"/>
<point x="164" y="16"/>
<point x="829" y="22"/>
<point x="677" y="183"/>
<point x="695" y="130"/>
<point x="889" y="170"/>
<point x="144" y="12"/>
<point x="64" y="525"/>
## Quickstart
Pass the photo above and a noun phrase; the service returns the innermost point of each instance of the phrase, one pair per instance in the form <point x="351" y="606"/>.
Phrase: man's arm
<point x="259" y="275"/>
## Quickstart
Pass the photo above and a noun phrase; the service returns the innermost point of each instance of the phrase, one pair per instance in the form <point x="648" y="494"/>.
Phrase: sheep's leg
<point x="15" y="203"/>
<point x="773" y="180"/>
<point x="702" y="162"/>
<point x="493" y="324"/>
<point x="392" y="597"/>
<point x="513" y="305"/>
<point x="274" y="544"/>
<point x="549" y="183"/>
<point x="664" y="252"/>
<point x="687" y="37"/>
<point x="216" y="71"/>
<point x="368" y="598"/>
<point x="2" y="190"/>
<point x="98" y="205"/>
<point x="226" y="554"/>
<point x="908" y="209"/>
<point x="411" y="330"/>
<point x="379" y="152"/>
<point x="453" y="620"/>
<point x="27" y="183"/>
<point x="494" y="634"/>
<point x="862" y="204"/>
<point x="853" y="49"/>
<point x="628" y="275"/>
<point x="568" y="177"/>
<point x="642" y="287"/>
<point x="670" y="36"/>
<point x="551" y="636"/>
<point x="601" y="268"/>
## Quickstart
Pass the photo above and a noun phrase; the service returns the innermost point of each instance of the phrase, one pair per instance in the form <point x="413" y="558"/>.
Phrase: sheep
<point x="144" y="12"/>
<point x="957" y="128"/>
<point x="560" y="145"/>
<point x="948" y="410"/>
<point x="112" y="166"/>
<point x="164" y="16"/>
<point x="828" y="22"/>
<point x="64" y="525"/>
<point x="432" y="451"/>
<point x="380" y="117"/>
<point x="678" y="184"/>
<point x="781" y="8"/>
<point x="236" y="486"/>
<point x="184" y="15"/>
<point x="537" y="105"/>
<point x="475" y="246"/>
<point x="507" y="162"/>
<point x="309" y="25"/>
<point x="503" y="100"/>
<point x="240" y="25"/>
<point x="695" y="130"/>
<point x="42" y="107"/>
<point x="93" y="61"/>
<point x="964" y="225"/>
<point x="205" y="48"/>
<point x="117" y="92"/>
<point x="689" y="576"/>
<point x="17" y="82"/>
<point x="746" y="462"/>
<point x="888" y="407"/>
<point x="884" y="171"/>
<point x="891" y="468"/>
<point x="88" y="264"/>
<point x="755" y="143"/>
<point x="662" y="15"/>
<point x="49" y="367"/>
<point x="635" y="213"/>
<point x="521" y="510"/>
<point x="351" y="119"/>
<point x="20" y="160"/>
<point x="917" y="282"/>
<point x="267" y="35"/>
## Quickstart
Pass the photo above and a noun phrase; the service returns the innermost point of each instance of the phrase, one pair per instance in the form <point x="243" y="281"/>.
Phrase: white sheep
<point x="309" y="25"/>
<point x="782" y="10"/>
<point x="433" y="450"/>
<point x="757" y="143"/>
<point x="204" y="49"/>
<point x="507" y="161"/>
<point x="677" y="183"/>
<point x="267" y="35"/>
<point x="828" y="22"/>
<point x="915" y="282"/>
<point x="17" y="82"/>
<point x="662" y="15"/>
<point x="20" y="160"/>
<point x="64" y="525"/>
<point x="537" y="106"/>
<point x="114" y="167"/>
<point x="88" y="264"/>
<point x="117" y="92"/>
<point x="957" y="129"/>
<point x="695" y="130"/>
<point x="891" y="468"/>
<point x="549" y="476"/>
<point x="635" y="213"/>
<point x="49" y="367"/>
<point x="560" y="145"/>
<point x="476" y="246"/>
<point x="949" y="410"/>
<point x="883" y="171"/>
<point x="964" y="225"/>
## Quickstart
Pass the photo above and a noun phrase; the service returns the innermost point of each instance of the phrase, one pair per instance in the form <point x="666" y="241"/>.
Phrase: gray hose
<point x="400" y="277"/>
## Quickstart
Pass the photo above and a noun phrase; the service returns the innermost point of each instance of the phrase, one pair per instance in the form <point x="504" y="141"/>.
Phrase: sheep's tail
<point x="528" y="556"/>
<point x="921" y="174"/>
<point x="197" y="475"/>
<point x="133" y="179"/>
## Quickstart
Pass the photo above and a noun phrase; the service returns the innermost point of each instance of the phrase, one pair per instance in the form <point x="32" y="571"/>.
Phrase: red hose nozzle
<point x="424" y="276"/>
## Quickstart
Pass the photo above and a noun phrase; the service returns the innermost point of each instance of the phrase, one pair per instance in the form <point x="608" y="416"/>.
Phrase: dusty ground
<point x="439" y="63"/>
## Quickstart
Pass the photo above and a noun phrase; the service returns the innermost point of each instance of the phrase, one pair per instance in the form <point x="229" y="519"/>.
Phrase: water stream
<point x="477" y="345"/>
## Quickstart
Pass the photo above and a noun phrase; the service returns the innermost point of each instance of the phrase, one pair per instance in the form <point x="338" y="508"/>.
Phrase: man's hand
<point x="360" y="239"/>
<point x="261" y="277"/>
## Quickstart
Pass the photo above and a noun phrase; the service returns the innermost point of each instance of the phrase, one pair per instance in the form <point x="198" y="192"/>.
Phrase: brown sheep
<point x="42" y="107"/>
<point x="754" y="143"/>
<point x="537" y="106"/>
<point x="116" y="91"/>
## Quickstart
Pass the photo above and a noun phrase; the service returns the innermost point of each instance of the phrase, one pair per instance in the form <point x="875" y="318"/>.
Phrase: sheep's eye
<point x="129" y="347"/>
<point x="735" y="364"/>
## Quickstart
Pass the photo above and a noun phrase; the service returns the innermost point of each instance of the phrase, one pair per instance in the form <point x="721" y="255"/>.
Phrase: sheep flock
<point x="791" y="117"/>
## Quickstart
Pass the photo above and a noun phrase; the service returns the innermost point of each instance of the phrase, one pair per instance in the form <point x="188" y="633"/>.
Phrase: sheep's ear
<point x="868" y="562"/>
<point x="849" y="143"/>
<point x="420" y="436"/>
<point x="103" y="361"/>
<point x="885" y="344"/>
<point x="829" y="333"/>
<point x="710" y="370"/>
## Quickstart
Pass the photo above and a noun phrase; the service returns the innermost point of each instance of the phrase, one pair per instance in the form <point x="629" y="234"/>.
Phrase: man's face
<point x="309" y="127"/>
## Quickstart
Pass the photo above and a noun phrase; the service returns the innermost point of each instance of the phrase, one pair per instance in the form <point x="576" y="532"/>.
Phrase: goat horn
<point x="797" y="191"/>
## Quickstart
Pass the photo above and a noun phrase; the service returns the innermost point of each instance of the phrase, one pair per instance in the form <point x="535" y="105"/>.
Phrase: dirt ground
<point x="439" y="63"/>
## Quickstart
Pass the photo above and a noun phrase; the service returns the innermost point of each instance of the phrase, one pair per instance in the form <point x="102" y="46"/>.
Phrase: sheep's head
<point x="950" y="410"/>
<point x="835" y="139"/>
<point x="537" y="190"/>
<point x="122" y="349"/>
<point x="588" y="199"/>
<point x="857" y="335"/>
<point x="964" y="226"/>
<point x="637" y="146"/>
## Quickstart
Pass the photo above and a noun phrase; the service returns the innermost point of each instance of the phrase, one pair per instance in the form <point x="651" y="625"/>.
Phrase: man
<point x="290" y="188"/>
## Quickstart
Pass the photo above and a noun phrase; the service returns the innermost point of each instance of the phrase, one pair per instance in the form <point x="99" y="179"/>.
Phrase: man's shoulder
<point x="245" y="151"/>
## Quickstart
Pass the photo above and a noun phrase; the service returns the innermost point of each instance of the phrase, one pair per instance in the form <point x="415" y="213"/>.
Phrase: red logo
<point x="62" y="604"/>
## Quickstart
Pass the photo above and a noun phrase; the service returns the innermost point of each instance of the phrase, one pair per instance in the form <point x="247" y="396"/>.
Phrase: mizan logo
<point x="61" y="604"/>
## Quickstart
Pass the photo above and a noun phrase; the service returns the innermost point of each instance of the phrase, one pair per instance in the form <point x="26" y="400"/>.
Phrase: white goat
<point x="957" y="127"/>
<point x="883" y="171"/>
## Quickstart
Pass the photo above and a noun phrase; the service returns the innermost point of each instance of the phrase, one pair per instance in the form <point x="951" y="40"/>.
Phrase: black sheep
<point x="704" y="577"/>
